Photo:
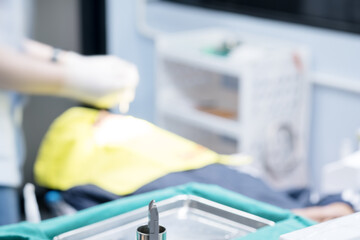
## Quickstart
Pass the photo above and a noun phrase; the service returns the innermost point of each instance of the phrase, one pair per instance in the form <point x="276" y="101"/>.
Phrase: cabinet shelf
<point x="202" y="61"/>
<point x="222" y="126"/>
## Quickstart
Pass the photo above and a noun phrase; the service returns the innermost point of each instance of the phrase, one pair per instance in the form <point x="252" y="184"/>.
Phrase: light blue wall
<point x="126" y="42"/>
<point x="335" y="115"/>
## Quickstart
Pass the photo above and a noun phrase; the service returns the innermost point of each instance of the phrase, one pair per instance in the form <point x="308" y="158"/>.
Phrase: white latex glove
<point x="102" y="81"/>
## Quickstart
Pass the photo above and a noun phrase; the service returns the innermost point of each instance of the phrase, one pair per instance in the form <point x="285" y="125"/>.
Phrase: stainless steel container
<point x="184" y="216"/>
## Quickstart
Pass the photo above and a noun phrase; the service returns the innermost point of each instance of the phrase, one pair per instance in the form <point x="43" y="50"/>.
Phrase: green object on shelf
<point x="221" y="52"/>
<point x="224" y="49"/>
<point x="46" y="230"/>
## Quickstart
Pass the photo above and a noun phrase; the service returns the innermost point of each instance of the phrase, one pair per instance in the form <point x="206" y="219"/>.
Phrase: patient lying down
<point x="98" y="149"/>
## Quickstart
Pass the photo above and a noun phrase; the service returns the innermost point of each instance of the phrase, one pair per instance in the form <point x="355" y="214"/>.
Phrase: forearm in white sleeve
<point x="23" y="73"/>
<point x="103" y="81"/>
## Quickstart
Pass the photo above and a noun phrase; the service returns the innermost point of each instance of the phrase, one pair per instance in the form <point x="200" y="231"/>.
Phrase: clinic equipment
<point x="57" y="204"/>
<point x="284" y="220"/>
<point x="31" y="207"/>
<point x="341" y="175"/>
<point x="235" y="92"/>
<point x="185" y="217"/>
<point x="151" y="231"/>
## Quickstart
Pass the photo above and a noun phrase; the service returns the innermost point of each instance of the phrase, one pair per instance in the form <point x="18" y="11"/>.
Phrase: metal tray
<point x="183" y="216"/>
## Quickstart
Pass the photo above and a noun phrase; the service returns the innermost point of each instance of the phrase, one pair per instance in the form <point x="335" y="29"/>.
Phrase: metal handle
<point x="143" y="233"/>
<point x="152" y="231"/>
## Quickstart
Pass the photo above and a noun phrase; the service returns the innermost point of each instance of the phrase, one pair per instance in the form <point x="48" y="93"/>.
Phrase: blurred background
<point x="328" y="30"/>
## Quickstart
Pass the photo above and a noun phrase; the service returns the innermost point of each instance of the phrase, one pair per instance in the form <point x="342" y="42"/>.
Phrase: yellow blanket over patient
<point x="120" y="160"/>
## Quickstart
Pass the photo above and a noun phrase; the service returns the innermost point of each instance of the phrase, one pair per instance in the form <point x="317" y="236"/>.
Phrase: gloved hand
<point x="102" y="81"/>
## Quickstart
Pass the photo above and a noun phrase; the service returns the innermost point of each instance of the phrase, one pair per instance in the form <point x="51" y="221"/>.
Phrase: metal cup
<point x="142" y="233"/>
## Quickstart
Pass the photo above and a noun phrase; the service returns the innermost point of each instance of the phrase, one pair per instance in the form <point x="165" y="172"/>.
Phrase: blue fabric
<point x="227" y="178"/>
<point x="85" y="196"/>
<point x="9" y="206"/>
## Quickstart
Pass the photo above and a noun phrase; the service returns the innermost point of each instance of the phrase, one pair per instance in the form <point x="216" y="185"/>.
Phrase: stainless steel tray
<point x="184" y="216"/>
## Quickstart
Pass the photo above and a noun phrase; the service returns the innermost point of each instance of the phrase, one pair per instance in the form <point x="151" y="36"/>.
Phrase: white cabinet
<point x="251" y="100"/>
